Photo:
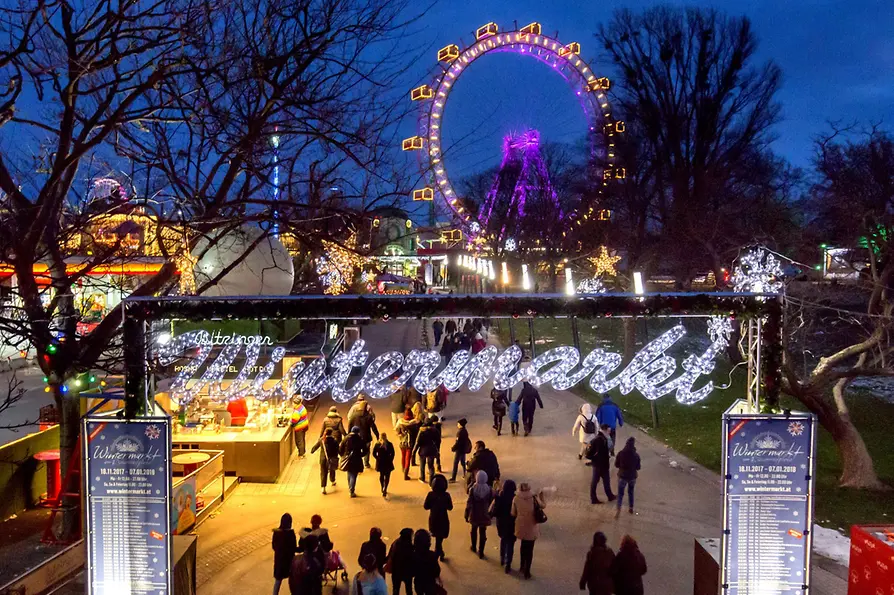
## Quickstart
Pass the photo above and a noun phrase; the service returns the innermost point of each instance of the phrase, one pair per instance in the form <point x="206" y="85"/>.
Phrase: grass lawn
<point x="694" y="430"/>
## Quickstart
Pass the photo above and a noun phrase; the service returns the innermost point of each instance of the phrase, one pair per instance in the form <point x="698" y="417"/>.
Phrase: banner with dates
<point x="769" y="466"/>
<point x="128" y="486"/>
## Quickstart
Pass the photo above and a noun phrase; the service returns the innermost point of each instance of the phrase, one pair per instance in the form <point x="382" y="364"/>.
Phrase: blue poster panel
<point x="769" y="465"/>
<point x="128" y="487"/>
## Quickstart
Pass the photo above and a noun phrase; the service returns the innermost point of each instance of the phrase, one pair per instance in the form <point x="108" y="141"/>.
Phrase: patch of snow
<point x="674" y="464"/>
<point x="831" y="544"/>
<point x="881" y="387"/>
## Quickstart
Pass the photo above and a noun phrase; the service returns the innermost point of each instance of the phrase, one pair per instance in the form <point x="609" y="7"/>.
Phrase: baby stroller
<point x="335" y="569"/>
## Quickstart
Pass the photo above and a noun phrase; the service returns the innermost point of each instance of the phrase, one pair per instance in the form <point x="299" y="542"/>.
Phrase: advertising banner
<point x="128" y="487"/>
<point x="769" y="465"/>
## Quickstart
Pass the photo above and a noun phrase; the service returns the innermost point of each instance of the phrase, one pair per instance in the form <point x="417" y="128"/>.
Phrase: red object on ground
<point x="238" y="410"/>
<point x="54" y="472"/>
<point x="872" y="560"/>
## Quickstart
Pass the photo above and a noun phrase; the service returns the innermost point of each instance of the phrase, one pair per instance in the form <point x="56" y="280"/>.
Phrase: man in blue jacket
<point x="609" y="413"/>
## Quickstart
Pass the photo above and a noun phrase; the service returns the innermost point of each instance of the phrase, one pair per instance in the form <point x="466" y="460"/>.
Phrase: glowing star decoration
<point x="604" y="263"/>
<point x="757" y="271"/>
<point x="650" y="371"/>
<point x="592" y="285"/>
<point x="336" y="266"/>
<point x="510" y="245"/>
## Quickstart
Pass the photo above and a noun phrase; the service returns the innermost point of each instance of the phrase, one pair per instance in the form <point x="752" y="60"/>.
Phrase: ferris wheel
<point x="526" y="41"/>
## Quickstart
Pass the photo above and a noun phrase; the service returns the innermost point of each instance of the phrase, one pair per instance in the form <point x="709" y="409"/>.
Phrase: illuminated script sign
<point x="768" y="513"/>
<point x="128" y="479"/>
<point x="650" y="371"/>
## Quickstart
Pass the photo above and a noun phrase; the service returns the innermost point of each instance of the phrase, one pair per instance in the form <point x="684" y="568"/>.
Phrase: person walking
<point x="598" y="455"/>
<point x="584" y="428"/>
<point x="609" y="413"/>
<point x="398" y="403"/>
<point x="383" y="453"/>
<point x="418" y="410"/>
<point x="529" y="398"/>
<point x="597" y="573"/>
<point x="334" y="422"/>
<point x="369" y="581"/>
<point x="328" y="458"/>
<point x="438" y="503"/>
<point x="606" y="431"/>
<point x="405" y="441"/>
<point x="426" y="568"/>
<point x="525" y="510"/>
<point x="426" y="446"/>
<point x="300" y="425"/>
<point x="514" y="410"/>
<point x="352" y="450"/>
<point x="461" y="447"/>
<point x="438" y="328"/>
<point x="499" y="406"/>
<point x="478" y="343"/>
<point x="306" y="573"/>
<point x="361" y="416"/>
<point x="478" y="511"/>
<point x="485" y="460"/>
<point x="501" y="511"/>
<point x="375" y="547"/>
<point x="628" y="568"/>
<point x="450" y="327"/>
<point x="628" y="464"/>
<point x="284" y="544"/>
<point x="400" y="558"/>
<point x="437" y="426"/>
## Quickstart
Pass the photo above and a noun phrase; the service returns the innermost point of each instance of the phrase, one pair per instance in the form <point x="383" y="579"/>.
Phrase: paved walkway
<point x="675" y="504"/>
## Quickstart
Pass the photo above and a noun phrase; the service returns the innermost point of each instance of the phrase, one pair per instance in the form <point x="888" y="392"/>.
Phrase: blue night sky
<point x="837" y="59"/>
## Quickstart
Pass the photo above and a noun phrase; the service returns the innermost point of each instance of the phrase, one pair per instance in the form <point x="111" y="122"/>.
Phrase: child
<point x="513" y="416"/>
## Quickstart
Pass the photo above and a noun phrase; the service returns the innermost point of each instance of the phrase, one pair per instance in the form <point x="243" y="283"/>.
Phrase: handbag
<point x="539" y="515"/>
<point x="343" y="462"/>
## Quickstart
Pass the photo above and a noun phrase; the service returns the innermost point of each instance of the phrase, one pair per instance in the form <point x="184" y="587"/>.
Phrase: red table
<point x="54" y="472"/>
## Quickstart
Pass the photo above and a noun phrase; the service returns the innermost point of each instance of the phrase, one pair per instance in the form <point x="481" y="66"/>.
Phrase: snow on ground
<point x="831" y="544"/>
<point x="881" y="387"/>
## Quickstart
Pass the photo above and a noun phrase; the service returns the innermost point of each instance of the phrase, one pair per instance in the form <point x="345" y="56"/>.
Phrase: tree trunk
<point x="69" y="428"/>
<point x="629" y="339"/>
<point x="857" y="468"/>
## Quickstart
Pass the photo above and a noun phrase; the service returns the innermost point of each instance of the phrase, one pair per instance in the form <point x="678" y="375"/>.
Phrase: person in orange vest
<point x="300" y="424"/>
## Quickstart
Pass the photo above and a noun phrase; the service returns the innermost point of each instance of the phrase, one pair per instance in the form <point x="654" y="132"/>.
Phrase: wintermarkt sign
<point x="768" y="485"/>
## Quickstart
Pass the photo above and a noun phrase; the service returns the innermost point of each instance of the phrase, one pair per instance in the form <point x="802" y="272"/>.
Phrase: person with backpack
<point x="306" y="573"/>
<point x="438" y="503"/>
<point x="514" y="410"/>
<point x="368" y="581"/>
<point x="461" y="447"/>
<point x="609" y="413"/>
<point x="361" y="416"/>
<point x="400" y="562"/>
<point x="628" y="568"/>
<point x="485" y="460"/>
<point x="334" y="422"/>
<point x="598" y="455"/>
<point x="478" y="511"/>
<point x="501" y="511"/>
<point x="628" y="464"/>
<point x="384" y="456"/>
<point x="584" y="428"/>
<point x="499" y="406"/>
<point x="328" y="457"/>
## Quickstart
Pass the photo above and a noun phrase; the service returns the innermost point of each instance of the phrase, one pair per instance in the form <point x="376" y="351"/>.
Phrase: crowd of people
<point x="307" y="559"/>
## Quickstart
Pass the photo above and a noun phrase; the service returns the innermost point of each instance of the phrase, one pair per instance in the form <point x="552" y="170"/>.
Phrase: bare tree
<point x="199" y="104"/>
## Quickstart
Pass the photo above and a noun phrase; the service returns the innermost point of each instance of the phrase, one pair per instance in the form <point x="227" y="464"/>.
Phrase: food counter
<point x="252" y="454"/>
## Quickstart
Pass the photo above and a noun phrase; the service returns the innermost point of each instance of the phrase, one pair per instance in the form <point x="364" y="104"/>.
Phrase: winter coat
<point x="438" y="502"/>
<point x="597" y="573"/>
<point x="526" y="527"/>
<point x="329" y="453"/>
<point x="427" y="442"/>
<point x="628" y="569"/>
<point x="513" y="411"/>
<point x="447" y="346"/>
<point x="484" y="460"/>
<point x="418" y="412"/>
<point x="374" y="585"/>
<point x="300" y="422"/>
<point x="463" y="443"/>
<point x="451" y="327"/>
<point x="478" y="504"/>
<point x="501" y="511"/>
<point x="499" y="402"/>
<point x="404" y="438"/>
<point x="384" y="456"/>
<point x="437" y="326"/>
<point x="361" y="416"/>
<point x="377" y="549"/>
<point x="285" y="544"/>
<point x="529" y="397"/>
<point x="609" y="413"/>
<point x="398" y="400"/>
<point x="306" y="574"/>
<point x="598" y="451"/>
<point x="628" y="464"/>
<point x="353" y="447"/>
<point x="401" y="556"/>
<point x="586" y="413"/>
<point x="434" y="401"/>
<point x="426" y="571"/>
<point x="333" y="420"/>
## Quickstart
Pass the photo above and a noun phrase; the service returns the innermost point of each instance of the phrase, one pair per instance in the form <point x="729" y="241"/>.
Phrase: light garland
<point x="336" y="266"/>
<point x="604" y="263"/>
<point x="649" y="372"/>
<point x="757" y="271"/>
<point x="592" y="285"/>
<point x="511" y="245"/>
